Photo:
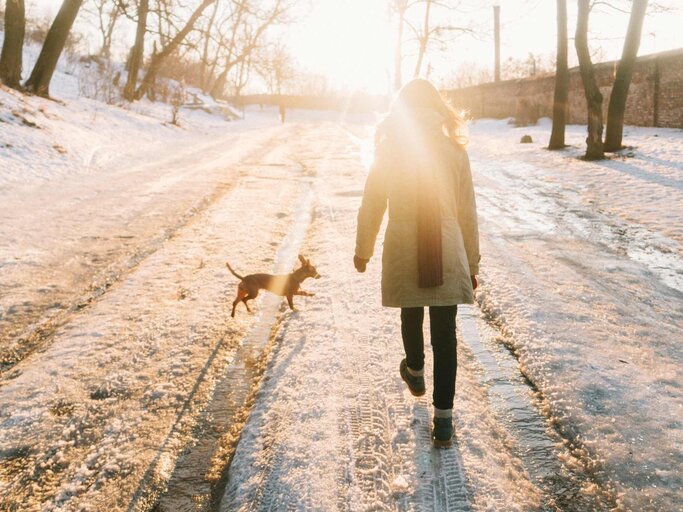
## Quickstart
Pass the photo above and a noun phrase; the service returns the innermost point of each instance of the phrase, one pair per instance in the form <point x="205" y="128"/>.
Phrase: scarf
<point x="415" y="132"/>
<point x="429" y="243"/>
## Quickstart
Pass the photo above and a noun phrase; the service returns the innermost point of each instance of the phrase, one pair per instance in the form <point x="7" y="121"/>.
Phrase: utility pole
<point x="496" y="28"/>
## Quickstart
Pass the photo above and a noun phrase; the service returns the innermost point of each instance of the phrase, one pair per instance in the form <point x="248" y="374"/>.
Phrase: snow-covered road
<point x="97" y="412"/>
<point x="126" y="385"/>
<point x="333" y="427"/>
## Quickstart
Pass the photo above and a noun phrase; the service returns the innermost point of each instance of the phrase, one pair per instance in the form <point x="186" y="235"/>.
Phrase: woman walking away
<point x="431" y="246"/>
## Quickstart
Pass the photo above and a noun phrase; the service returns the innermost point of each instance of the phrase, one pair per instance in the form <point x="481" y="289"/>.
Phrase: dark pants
<point x="442" y="324"/>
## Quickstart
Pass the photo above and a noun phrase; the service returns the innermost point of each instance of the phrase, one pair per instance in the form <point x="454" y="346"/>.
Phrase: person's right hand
<point x="360" y="263"/>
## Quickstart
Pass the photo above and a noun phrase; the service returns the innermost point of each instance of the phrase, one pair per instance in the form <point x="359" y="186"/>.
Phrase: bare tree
<point x="622" y="81"/>
<point x="595" y="148"/>
<point x="137" y="51"/>
<point x="276" y="67"/>
<point x="246" y="35"/>
<point x="427" y="33"/>
<point x="242" y="75"/>
<point x="11" y="57"/>
<point x="39" y="80"/>
<point x="206" y="36"/>
<point x="561" y="80"/>
<point x="228" y="46"/>
<point x="108" y="13"/>
<point x="169" y="16"/>
<point x="163" y="13"/>
<point x="171" y="46"/>
<point x="104" y="14"/>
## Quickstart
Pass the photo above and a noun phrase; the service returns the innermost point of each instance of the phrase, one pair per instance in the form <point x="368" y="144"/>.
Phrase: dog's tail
<point x="233" y="272"/>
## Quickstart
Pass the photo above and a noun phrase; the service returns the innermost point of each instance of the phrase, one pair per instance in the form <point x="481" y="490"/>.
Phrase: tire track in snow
<point x="518" y="406"/>
<point x="199" y="477"/>
<point x="363" y="422"/>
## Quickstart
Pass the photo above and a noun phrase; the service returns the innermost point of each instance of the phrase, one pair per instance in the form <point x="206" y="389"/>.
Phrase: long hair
<point x="421" y="94"/>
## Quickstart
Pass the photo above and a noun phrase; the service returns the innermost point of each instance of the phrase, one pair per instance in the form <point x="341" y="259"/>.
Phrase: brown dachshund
<point x="285" y="285"/>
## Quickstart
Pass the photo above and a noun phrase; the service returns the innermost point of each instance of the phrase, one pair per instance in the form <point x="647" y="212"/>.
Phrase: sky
<point x="351" y="42"/>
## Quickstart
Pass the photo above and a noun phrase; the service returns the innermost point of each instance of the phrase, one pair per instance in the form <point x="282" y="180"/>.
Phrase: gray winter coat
<point x="399" y="162"/>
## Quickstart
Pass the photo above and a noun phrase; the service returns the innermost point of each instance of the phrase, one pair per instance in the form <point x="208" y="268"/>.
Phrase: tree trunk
<point x="594" y="149"/>
<point x="561" y="80"/>
<point x="218" y="87"/>
<point x="622" y="81"/>
<point x="137" y="52"/>
<point x="158" y="58"/>
<point x="107" y="35"/>
<point x="39" y="81"/>
<point x="10" y="60"/>
<point x="203" y="79"/>
<point x="243" y="76"/>
<point x="424" y="40"/>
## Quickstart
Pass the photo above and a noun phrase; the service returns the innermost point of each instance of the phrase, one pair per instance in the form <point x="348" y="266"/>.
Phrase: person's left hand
<point x="360" y="263"/>
<point x="475" y="282"/>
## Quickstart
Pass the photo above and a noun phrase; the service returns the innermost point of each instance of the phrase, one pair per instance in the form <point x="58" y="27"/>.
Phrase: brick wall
<point x="655" y="96"/>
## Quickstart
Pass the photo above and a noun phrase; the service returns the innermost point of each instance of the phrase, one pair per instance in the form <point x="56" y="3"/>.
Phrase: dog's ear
<point x="302" y="259"/>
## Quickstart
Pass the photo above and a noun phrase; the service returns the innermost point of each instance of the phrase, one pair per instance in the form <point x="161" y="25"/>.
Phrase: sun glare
<point x="351" y="42"/>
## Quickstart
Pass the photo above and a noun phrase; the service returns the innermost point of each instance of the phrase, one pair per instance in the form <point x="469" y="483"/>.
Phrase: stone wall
<point x="655" y="96"/>
<point x="353" y="103"/>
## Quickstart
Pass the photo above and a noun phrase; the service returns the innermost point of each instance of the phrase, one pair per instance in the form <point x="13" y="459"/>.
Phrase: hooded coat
<point x="413" y="150"/>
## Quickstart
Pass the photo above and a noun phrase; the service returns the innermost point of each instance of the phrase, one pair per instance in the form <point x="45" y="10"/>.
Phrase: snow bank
<point x="44" y="139"/>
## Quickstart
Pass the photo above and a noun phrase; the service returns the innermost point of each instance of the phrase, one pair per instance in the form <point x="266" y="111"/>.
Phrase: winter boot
<point x="416" y="383"/>
<point x="442" y="434"/>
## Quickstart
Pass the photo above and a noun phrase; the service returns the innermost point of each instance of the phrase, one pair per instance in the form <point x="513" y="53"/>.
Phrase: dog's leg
<point x="249" y="294"/>
<point x="245" y="299"/>
<point x="290" y="301"/>
<point x="240" y="298"/>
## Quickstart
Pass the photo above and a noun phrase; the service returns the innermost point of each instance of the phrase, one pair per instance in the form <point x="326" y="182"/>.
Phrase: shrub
<point x="99" y="81"/>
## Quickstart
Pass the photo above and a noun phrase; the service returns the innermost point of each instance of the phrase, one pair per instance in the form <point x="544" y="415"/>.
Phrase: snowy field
<point x="125" y="384"/>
